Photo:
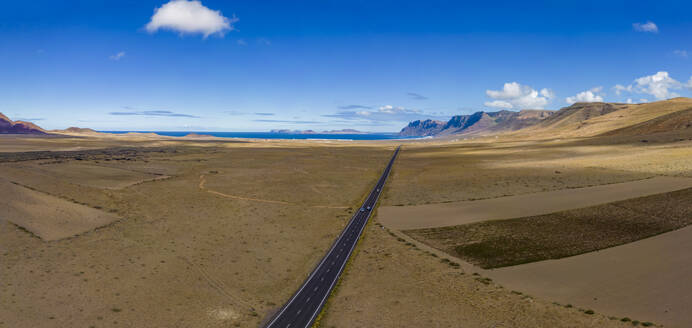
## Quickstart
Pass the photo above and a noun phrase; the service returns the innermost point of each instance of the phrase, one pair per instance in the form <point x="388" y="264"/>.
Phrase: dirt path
<point x="450" y="214"/>
<point x="203" y="181"/>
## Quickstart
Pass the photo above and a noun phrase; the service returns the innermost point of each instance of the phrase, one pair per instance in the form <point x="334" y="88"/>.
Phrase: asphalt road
<point x="304" y="306"/>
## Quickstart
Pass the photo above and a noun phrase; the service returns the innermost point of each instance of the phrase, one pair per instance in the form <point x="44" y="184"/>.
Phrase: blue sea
<point x="271" y="135"/>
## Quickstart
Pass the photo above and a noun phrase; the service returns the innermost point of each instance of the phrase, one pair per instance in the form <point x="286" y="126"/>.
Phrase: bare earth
<point x="649" y="278"/>
<point x="450" y="214"/>
<point x="236" y="227"/>
<point x="48" y="217"/>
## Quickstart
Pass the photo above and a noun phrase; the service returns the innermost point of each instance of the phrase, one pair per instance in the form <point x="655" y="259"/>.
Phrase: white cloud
<point x="629" y="100"/>
<point x="619" y="89"/>
<point x="592" y="95"/>
<point x="643" y="100"/>
<point x="386" y="113"/>
<point x="689" y="83"/>
<point x="680" y="53"/>
<point x="498" y="104"/>
<point x="190" y="17"/>
<point x="515" y="95"/>
<point x="117" y="56"/>
<point x="657" y="85"/>
<point x="389" y="109"/>
<point x="649" y="26"/>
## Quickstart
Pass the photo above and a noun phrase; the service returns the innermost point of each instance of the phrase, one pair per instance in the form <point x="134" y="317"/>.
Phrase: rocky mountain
<point x="422" y="128"/>
<point x="479" y="123"/>
<point x="8" y="126"/>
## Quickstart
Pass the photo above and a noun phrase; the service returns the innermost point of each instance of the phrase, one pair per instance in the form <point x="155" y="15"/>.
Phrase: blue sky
<point x="369" y="65"/>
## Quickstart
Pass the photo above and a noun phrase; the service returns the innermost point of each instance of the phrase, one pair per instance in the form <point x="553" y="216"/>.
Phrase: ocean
<point x="270" y="135"/>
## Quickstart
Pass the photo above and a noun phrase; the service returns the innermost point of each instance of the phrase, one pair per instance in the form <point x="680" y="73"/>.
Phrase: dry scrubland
<point x="215" y="234"/>
<point x="179" y="256"/>
<point x="473" y="170"/>
<point x="649" y="274"/>
<point x="499" y="243"/>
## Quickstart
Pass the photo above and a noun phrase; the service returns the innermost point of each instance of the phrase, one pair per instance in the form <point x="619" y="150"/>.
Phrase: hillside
<point x="479" y="123"/>
<point x="592" y="119"/>
<point x="677" y="121"/>
<point x="8" y="126"/>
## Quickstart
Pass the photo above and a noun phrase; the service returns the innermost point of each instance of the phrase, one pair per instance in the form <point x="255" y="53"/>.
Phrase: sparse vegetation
<point x="493" y="244"/>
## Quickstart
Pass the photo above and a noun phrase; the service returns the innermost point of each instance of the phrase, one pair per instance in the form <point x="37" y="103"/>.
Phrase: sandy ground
<point x="391" y="284"/>
<point x="48" y="217"/>
<point x="449" y="214"/>
<point x="649" y="278"/>
<point x="183" y="256"/>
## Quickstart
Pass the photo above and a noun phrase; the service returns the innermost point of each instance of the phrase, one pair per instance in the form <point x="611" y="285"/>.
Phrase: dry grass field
<point x="181" y="256"/>
<point x="439" y="173"/>
<point x="217" y="234"/>
<point x="508" y="207"/>
<point x="499" y="243"/>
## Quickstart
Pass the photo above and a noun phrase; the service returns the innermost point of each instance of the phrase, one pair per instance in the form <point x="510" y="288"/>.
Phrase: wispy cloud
<point x="28" y="119"/>
<point x="649" y="27"/>
<point x="680" y="53"/>
<point x="288" y="121"/>
<point x="190" y="17"/>
<point x="166" y="113"/>
<point x="241" y="42"/>
<point x="416" y="96"/>
<point x="117" y="56"/>
<point x="265" y="114"/>
<point x="264" y="42"/>
<point x="350" y="107"/>
<point x="387" y="113"/>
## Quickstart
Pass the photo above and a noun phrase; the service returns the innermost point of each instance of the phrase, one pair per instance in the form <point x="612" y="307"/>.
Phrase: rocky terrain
<point x="477" y="123"/>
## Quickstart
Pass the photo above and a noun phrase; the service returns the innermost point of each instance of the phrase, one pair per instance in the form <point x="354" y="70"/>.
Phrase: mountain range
<point x="476" y="123"/>
<point x="577" y="120"/>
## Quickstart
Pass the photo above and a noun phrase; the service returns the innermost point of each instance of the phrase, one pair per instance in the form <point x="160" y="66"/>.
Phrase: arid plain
<point x="149" y="231"/>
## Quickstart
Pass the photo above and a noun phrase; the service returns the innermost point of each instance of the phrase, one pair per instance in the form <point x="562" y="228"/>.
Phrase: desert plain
<point x="142" y="230"/>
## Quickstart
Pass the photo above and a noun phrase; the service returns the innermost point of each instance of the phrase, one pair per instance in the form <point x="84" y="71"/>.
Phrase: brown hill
<point x="592" y="119"/>
<point x="578" y="113"/>
<point x="7" y="126"/>
<point x="74" y="129"/>
<point x="677" y="121"/>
